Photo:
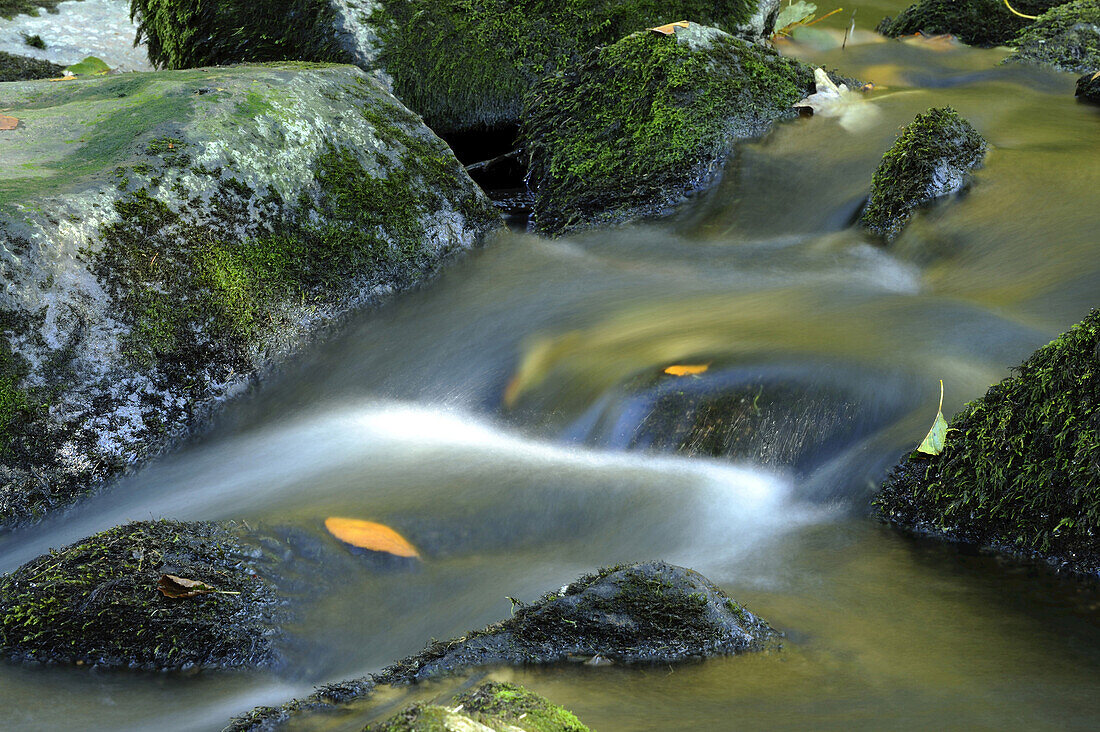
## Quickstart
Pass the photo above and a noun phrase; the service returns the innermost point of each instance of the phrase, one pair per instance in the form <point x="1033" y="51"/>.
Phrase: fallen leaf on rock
<point x="831" y="100"/>
<point x="181" y="588"/>
<point x="687" y="369"/>
<point x="670" y="29"/>
<point x="8" y="123"/>
<point x="937" y="436"/>
<point x="370" y="535"/>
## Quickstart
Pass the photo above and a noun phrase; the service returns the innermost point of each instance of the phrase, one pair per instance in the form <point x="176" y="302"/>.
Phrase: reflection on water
<point x="462" y="415"/>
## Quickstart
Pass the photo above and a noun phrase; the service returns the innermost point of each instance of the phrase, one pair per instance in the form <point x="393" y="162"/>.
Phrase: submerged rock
<point x="1020" y="469"/>
<point x="1088" y="88"/>
<point x="461" y="64"/>
<point x="1066" y="38"/>
<point x="974" y="22"/>
<point x="206" y="224"/>
<point x="96" y="602"/>
<point x="22" y="68"/>
<point x="491" y="706"/>
<point x="641" y="124"/>
<point x="932" y="157"/>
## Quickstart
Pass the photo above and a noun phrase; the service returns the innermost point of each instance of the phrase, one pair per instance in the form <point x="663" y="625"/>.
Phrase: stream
<point x="489" y="416"/>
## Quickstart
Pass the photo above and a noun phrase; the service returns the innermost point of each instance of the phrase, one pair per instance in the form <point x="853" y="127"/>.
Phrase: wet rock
<point x="492" y="706"/>
<point x="641" y="124"/>
<point x="462" y="65"/>
<point x="933" y="157"/>
<point x="96" y="602"/>
<point x="974" y="22"/>
<point x="1020" y="470"/>
<point x="1088" y="88"/>
<point x="1066" y="38"/>
<point x="22" y="68"/>
<point x="205" y="227"/>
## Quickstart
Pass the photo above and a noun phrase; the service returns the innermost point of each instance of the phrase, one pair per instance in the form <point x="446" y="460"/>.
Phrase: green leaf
<point x="89" y="66"/>
<point x="794" y="12"/>
<point x="937" y="436"/>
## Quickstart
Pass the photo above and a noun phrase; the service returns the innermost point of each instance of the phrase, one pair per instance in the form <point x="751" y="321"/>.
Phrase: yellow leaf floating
<point x="670" y="29"/>
<point x="370" y="535"/>
<point x="686" y="369"/>
<point x="937" y="436"/>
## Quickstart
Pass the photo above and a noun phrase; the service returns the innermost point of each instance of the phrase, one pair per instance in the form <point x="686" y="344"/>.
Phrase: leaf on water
<point x="937" y="436"/>
<point x="88" y="67"/>
<point x="793" y="14"/>
<point x="832" y="100"/>
<point x="180" y="588"/>
<point x="687" y="369"/>
<point x="8" y="123"/>
<point x="670" y="29"/>
<point x="370" y="535"/>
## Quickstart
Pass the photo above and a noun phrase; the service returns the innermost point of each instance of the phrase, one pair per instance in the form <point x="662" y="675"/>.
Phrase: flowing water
<point x="489" y="417"/>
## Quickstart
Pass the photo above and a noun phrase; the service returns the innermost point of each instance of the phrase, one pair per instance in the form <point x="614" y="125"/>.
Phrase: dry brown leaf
<point x="370" y="535"/>
<point x="670" y="29"/>
<point x="180" y="588"/>
<point x="8" y="123"/>
<point x="687" y="369"/>
<point x="63" y="78"/>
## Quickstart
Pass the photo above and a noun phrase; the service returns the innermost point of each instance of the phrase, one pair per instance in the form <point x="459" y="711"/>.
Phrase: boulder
<point x="22" y="68"/>
<point x="932" y="158"/>
<point x="1088" y="88"/>
<point x="639" y="125"/>
<point x="974" y="22"/>
<point x="1066" y="38"/>
<point x="11" y="8"/>
<point x="462" y="65"/>
<point x="70" y="605"/>
<point x="1020" y="469"/>
<point x="167" y="237"/>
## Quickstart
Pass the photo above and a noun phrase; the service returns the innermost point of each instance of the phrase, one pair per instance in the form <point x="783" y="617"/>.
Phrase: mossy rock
<point x="23" y="68"/>
<point x="495" y="706"/>
<point x="461" y="64"/>
<point x="1066" y="38"/>
<point x="11" y="8"/>
<point x="1088" y="88"/>
<point x="974" y="22"/>
<point x="932" y="158"/>
<point x="1020" y="469"/>
<point x="643" y="123"/>
<point x="96" y="602"/>
<point x="171" y="236"/>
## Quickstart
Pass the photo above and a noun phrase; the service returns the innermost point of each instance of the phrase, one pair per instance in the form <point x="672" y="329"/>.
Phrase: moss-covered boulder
<point x="97" y="601"/>
<point x="1020" y="469"/>
<point x="643" y="123"/>
<point x="1088" y="88"/>
<point x="462" y="64"/>
<point x="974" y="22"/>
<point x="22" y="68"/>
<point x="165" y="237"/>
<point x="1066" y="38"/>
<point x="495" y="706"/>
<point x="11" y="8"/>
<point x="932" y="158"/>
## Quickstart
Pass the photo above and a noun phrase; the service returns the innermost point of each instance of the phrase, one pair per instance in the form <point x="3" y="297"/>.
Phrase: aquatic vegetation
<point x="494" y="706"/>
<point x="974" y="22"/>
<point x="1066" y="38"/>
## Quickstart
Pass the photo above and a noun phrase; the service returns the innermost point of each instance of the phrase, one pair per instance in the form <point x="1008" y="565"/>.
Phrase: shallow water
<point x="486" y="417"/>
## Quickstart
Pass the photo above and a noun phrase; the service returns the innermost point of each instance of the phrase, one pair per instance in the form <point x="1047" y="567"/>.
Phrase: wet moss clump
<point x="640" y="124"/>
<point x="932" y="157"/>
<point x="1088" y="88"/>
<point x="96" y="602"/>
<point x="1066" y="38"/>
<point x="1021" y="465"/>
<point x="11" y="8"/>
<point x="495" y="705"/>
<point x="22" y="68"/>
<point x="974" y="22"/>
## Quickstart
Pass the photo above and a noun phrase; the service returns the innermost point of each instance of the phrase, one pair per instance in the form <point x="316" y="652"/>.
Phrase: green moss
<point x="1021" y="465"/>
<point x="16" y="406"/>
<point x="639" y="124"/>
<point x="96" y="601"/>
<point x="22" y="68"/>
<point x="34" y="41"/>
<point x="936" y="150"/>
<point x="1088" y="88"/>
<point x="1066" y="37"/>
<point x="11" y="8"/>
<point x="496" y="704"/>
<point x="975" y="22"/>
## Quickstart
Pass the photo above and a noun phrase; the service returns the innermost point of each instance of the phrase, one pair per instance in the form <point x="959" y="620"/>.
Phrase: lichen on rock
<point x="974" y="22"/>
<point x="639" y="125"/>
<point x="932" y="157"/>
<point x="1066" y="38"/>
<point x="1020" y="469"/>
<point x="96" y="602"/>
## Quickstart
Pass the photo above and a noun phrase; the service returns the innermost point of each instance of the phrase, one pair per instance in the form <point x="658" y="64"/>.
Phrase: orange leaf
<point x="180" y="588"/>
<point x="670" y="29"/>
<point x="687" y="369"/>
<point x="369" y="535"/>
<point x="63" y="78"/>
<point x="8" y="123"/>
